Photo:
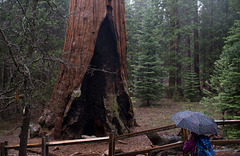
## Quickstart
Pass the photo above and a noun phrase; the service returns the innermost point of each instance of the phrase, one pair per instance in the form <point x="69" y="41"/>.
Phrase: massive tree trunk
<point x="91" y="95"/>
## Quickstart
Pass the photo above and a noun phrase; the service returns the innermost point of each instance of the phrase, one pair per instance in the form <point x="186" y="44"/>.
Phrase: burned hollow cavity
<point x="100" y="107"/>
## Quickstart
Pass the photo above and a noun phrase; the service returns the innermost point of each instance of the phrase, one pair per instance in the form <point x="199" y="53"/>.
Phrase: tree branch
<point x="10" y="51"/>
<point x="55" y="9"/>
<point x="23" y="10"/>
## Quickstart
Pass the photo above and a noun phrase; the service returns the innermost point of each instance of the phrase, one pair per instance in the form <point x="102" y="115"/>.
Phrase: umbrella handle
<point x="185" y="134"/>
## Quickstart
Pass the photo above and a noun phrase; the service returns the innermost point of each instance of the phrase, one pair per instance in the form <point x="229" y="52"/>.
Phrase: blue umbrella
<point x="195" y="122"/>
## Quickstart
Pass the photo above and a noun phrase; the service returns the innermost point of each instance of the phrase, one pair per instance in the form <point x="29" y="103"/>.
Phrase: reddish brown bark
<point x="94" y="53"/>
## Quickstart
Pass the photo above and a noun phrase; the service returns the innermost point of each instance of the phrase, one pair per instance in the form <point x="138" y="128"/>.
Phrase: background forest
<point x="184" y="50"/>
<point x="187" y="51"/>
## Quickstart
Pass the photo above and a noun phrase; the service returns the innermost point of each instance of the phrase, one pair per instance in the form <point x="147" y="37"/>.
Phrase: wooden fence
<point x="4" y="147"/>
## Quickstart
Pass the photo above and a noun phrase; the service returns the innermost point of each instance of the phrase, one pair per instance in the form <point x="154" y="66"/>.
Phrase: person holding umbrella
<point x="199" y="125"/>
<point x="191" y="145"/>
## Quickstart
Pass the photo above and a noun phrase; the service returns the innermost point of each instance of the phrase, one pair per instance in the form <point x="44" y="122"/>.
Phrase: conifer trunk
<point x="91" y="95"/>
<point x="172" y="54"/>
<point x="196" y="45"/>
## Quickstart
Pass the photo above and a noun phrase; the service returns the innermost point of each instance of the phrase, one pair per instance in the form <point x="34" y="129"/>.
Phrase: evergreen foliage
<point x="149" y="69"/>
<point x="224" y="83"/>
<point x="216" y="18"/>
<point x="191" y="92"/>
<point x="131" y="42"/>
<point x="190" y="35"/>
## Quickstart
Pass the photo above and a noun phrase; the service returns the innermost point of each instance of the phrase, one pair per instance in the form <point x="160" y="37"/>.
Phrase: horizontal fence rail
<point x="223" y="122"/>
<point x="45" y="143"/>
<point x="146" y="132"/>
<point x="28" y="146"/>
<point x="225" y="142"/>
<point x="154" y="149"/>
<point x="64" y="142"/>
<point x="77" y="141"/>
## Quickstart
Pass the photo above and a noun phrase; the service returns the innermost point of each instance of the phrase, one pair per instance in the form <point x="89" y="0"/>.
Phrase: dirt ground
<point x="147" y="118"/>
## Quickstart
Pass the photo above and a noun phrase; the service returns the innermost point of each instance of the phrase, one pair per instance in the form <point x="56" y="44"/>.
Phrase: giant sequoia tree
<point x="91" y="95"/>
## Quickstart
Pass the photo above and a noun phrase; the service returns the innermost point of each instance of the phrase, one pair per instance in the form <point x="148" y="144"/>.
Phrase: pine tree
<point x="191" y="91"/>
<point x="225" y="93"/>
<point x="149" y="70"/>
<point x="130" y="16"/>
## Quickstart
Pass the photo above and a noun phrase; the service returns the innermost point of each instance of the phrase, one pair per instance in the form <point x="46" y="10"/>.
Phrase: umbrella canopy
<point x="195" y="122"/>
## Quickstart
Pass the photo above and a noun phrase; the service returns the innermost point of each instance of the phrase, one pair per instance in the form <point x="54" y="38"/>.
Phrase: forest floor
<point x="147" y="118"/>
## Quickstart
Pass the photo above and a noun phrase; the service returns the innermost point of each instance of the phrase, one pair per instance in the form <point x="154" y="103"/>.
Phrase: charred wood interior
<point x="90" y="113"/>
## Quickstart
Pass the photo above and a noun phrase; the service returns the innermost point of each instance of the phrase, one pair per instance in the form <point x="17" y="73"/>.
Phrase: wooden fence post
<point x="2" y="149"/>
<point x="6" y="151"/>
<point x="45" y="146"/>
<point x="111" y="150"/>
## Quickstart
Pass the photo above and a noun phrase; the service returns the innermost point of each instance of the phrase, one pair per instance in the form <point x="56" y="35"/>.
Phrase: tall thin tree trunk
<point x="148" y="102"/>
<point x="196" y="44"/>
<point x="178" y="52"/>
<point x="172" y="59"/>
<point x="211" y="33"/>
<point x="189" y="49"/>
